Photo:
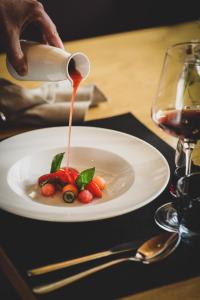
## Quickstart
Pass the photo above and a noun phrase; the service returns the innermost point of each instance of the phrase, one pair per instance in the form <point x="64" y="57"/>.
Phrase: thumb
<point x="15" y="54"/>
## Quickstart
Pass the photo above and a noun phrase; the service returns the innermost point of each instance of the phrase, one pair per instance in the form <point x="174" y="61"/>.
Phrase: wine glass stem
<point x="188" y="146"/>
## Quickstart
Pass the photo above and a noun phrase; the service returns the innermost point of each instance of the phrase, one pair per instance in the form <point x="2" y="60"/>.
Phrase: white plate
<point x="136" y="173"/>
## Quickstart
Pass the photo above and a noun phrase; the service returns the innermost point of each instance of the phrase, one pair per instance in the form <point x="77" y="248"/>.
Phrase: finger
<point x="49" y="31"/>
<point x="44" y="40"/>
<point x="15" y="54"/>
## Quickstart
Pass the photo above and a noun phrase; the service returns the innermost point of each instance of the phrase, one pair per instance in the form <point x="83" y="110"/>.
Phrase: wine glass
<point x="176" y="110"/>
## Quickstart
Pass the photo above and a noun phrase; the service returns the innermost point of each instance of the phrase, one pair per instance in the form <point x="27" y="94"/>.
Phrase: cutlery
<point x="164" y="240"/>
<point x="125" y="247"/>
<point x="151" y="251"/>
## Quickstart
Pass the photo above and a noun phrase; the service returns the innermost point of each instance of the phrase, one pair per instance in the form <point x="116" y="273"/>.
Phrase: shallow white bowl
<point x="135" y="172"/>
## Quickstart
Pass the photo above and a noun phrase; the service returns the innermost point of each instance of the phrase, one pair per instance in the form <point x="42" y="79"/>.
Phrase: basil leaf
<point x="56" y="162"/>
<point x="84" y="178"/>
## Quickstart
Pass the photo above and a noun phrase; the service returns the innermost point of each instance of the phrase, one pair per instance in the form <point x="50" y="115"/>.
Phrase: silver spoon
<point x="162" y="241"/>
<point x="151" y="251"/>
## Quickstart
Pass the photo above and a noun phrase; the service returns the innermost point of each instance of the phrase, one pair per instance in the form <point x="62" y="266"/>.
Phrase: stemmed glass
<point x="176" y="110"/>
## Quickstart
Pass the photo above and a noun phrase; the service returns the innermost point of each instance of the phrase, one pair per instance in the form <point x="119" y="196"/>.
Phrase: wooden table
<point x="127" y="67"/>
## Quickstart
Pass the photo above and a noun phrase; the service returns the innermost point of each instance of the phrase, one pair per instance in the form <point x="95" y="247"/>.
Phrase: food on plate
<point x="70" y="183"/>
<point x="85" y="196"/>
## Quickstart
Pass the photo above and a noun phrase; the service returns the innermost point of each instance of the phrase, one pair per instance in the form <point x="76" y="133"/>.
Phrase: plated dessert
<point x="70" y="184"/>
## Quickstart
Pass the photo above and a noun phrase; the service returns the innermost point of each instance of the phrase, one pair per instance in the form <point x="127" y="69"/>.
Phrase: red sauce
<point x="76" y="78"/>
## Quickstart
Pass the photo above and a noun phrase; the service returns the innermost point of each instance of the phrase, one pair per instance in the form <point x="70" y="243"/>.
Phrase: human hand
<point x="15" y="15"/>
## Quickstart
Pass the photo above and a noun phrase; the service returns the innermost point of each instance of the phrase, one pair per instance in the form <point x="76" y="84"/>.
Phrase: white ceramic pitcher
<point x="48" y="63"/>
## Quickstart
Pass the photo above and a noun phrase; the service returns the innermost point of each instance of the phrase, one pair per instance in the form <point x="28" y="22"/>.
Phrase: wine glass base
<point x="166" y="217"/>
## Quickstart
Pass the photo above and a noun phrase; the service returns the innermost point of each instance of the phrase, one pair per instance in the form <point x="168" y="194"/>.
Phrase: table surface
<point x="126" y="67"/>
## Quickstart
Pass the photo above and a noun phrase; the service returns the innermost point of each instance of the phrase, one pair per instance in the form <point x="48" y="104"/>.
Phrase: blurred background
<point x="87" y="18"/>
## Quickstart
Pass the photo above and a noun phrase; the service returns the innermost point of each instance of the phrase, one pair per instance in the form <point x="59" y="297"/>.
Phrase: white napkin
<point x="46" y="105"/>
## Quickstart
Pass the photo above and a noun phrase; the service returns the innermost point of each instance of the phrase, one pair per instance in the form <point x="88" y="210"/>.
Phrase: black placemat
<point x="31" y="243"/>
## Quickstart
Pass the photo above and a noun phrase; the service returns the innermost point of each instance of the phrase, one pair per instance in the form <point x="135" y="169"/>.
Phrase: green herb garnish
<point x="84" y="178"/>
<point x="56" y="162"/>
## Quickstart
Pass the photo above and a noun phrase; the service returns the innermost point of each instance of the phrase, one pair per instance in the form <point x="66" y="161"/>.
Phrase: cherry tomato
<point x="94" y="189"/>
<point x="67" y="175"/>
<point x="100" y="181"/>
<point x="48" y="190"/>
<point x="85" y="196"/>
<point x="46" y="177"/>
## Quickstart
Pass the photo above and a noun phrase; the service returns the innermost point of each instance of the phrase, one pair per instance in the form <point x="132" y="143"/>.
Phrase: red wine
<point x="181" y="123"/>
<point x="76" y="78"/>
